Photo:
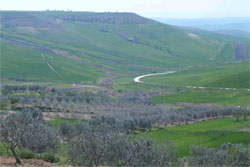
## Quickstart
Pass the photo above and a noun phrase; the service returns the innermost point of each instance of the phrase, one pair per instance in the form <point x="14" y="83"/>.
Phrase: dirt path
<point x="137" y="79"/>
<point x="51" y="67"/>
<point x="10" y="162"/>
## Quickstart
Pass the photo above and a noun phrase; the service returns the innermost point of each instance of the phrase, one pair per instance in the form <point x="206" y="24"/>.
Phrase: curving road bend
<point x="137" y="80"/>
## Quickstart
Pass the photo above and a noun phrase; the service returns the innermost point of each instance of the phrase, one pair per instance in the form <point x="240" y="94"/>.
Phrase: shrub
<point x="49" y="157"/>
<point x="4" y="150"/>
<point x="5" y="91"/>
<point x="13" y="107"/>
<point x="25" y="154"/>
<point x="245" y="114"/>
<point x="3" y="105"/>
<point x="66" y="129"/>
<point x="13" y="100"/>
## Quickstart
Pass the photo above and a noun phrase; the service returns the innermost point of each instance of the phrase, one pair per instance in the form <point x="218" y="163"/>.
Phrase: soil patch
<point x="11" y="162"/>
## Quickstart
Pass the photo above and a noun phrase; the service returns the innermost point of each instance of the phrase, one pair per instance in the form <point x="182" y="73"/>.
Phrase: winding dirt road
<point x="137" y="80"/>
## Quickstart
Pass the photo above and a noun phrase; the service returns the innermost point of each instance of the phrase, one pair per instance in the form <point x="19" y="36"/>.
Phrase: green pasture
<point x="211" y="133"/>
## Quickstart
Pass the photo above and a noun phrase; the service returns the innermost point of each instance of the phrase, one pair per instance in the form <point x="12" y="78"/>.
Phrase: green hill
<point x="225" y="76"/>
<point x="75" y="47"/>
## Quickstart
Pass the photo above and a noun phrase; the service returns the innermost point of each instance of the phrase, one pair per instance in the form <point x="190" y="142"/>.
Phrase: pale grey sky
<point x="147" y="8"/>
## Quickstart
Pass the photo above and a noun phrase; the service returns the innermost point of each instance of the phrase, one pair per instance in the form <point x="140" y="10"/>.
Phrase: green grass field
<point x="57" y="121"/>
<point x="211" y="133"/>
<point x="220" y="97"/>
<point x="83" y="51"/>
<point x="225" y="76"/>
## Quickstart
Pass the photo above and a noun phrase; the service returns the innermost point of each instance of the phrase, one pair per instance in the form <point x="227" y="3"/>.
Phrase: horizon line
<point x="155" y="17"/>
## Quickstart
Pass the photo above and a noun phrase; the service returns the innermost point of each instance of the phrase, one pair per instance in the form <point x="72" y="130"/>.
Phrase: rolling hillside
<point x="75" y="47"/>
<point x="225" y="76"/>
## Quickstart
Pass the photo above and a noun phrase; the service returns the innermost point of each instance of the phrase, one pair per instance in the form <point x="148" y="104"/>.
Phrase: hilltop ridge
<point x="92" y="17"/>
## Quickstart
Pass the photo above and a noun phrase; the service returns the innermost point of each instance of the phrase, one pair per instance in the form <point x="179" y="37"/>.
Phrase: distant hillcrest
<point x="104" y="17"/>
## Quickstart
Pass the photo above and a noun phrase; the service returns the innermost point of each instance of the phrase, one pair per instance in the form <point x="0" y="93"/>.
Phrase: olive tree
<point x="237" y="112"/>
<point x="138" y="153"/>
<point x="26" y="129"/>
<point x="143" y="152"/>
<point x="94" y="145"/>
<point x="204" y="157"/>
<point x="237" y="154"/>
<point x="66" y="130"/>
<point x="165" y="155"/>
<point x="129" y="125"/>
<point x="228" y="155"/>
<point x="245" y="114"/>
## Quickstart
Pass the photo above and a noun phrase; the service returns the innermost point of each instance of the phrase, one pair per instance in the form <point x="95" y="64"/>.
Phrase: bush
<point x="5" y="91"/>
<point x="3" y="105"/>
<point x="66" y="129"/>
<point x="13" y="107"/>
<point x="48" y="157"/>
<point x="13" y="100"/>
<point x="4" y="150"/>
<point x="25" y="154"/>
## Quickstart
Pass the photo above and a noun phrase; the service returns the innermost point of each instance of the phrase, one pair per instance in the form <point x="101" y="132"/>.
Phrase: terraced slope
<point x="85" y="46"/>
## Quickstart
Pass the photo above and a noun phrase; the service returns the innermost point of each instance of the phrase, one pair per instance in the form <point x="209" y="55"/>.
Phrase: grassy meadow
<point x="211" y="133"/>
<point x="199" y="96"/>
<point x="57" y="121"/>
<point x="225" y="76"/>
<point x="81" y="51"/>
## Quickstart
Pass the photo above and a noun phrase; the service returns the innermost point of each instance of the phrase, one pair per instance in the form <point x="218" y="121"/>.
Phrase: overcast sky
<point x="147" y="8"/>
